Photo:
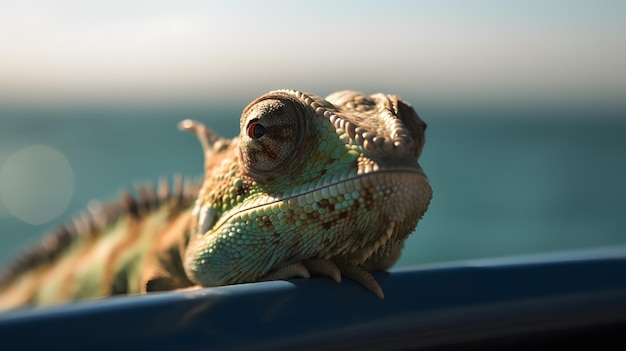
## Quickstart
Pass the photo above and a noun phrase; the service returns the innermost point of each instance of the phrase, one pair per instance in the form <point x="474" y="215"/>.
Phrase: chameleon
<point x="311" y="186"/>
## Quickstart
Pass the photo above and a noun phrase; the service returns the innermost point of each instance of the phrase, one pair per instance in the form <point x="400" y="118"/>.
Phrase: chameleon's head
<point x="301" y="137"/>
<point x="310" y="178"/>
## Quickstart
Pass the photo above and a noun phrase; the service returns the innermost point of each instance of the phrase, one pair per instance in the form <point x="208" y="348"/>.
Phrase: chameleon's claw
<point x="304" y="269"/>
<point x="357" y="273"/>
<point x="360" y="275"/>
<point x="328" y="268"/>
<point x="289" y="271"/>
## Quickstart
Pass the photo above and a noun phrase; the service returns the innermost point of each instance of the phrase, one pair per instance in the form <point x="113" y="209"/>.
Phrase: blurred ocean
<point x="506" y="180"/>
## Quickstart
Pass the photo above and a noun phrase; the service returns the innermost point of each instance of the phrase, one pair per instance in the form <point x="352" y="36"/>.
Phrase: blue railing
<point x="437" y="305"/>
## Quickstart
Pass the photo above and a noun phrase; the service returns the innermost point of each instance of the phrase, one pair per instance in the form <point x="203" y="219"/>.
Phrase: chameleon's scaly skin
<point x="325" y="186"/>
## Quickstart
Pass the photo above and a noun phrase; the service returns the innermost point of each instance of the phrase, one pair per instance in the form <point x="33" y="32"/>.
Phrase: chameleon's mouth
<point x="335" y="195"/>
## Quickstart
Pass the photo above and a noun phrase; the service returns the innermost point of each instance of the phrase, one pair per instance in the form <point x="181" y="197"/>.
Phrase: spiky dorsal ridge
<point x="147" y="198"/>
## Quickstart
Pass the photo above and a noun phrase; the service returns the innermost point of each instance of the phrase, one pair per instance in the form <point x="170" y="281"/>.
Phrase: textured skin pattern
<point x="324" y="186"/>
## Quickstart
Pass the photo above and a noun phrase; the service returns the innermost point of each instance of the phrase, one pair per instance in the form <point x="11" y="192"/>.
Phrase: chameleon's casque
<point x="311" y="186"/>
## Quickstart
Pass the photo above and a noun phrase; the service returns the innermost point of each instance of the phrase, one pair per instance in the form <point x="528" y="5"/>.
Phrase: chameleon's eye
<point x="256" y="130"/>
<point x="273" y="131"/>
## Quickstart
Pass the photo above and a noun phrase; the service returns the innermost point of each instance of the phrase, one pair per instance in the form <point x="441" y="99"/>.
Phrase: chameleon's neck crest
<point x="208" y="139"/>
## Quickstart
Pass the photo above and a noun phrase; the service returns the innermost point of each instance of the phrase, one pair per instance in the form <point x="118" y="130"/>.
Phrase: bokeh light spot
<point x="36" y="184"/>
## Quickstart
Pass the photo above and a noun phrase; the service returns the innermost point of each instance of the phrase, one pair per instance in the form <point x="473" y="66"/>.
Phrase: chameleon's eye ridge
<point x="256" y="130"/>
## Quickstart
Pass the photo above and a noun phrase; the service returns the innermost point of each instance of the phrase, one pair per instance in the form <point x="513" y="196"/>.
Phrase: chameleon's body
<point x="325" y="186"/>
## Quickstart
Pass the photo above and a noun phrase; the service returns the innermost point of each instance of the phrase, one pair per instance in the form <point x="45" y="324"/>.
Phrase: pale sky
<point x="76" y="51"/>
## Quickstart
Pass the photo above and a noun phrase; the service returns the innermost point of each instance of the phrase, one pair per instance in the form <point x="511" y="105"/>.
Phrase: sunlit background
<point x="526" y="146"/>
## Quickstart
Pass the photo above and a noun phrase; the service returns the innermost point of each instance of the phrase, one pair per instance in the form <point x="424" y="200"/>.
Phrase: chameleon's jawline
<point x="418" y="172"/>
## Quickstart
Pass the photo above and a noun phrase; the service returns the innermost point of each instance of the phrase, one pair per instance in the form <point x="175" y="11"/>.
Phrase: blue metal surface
<point x="425" y="306"/>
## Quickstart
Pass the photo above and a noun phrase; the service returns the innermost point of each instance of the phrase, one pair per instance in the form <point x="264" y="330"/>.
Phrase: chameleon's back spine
<point x="102" y="252"/>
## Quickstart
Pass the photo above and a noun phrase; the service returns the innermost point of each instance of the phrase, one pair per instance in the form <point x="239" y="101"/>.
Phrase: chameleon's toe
<point x="357" y="273"/>
<point x="360" y="275"/>
<point x="293" y="270"/>
<point x="304" y="269"/>
<point x="322" y="267"/>
<point x="326" y="268"/>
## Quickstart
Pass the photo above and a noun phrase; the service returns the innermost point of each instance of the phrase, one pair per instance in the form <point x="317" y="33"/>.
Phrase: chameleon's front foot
<point x="327" y="268"/>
